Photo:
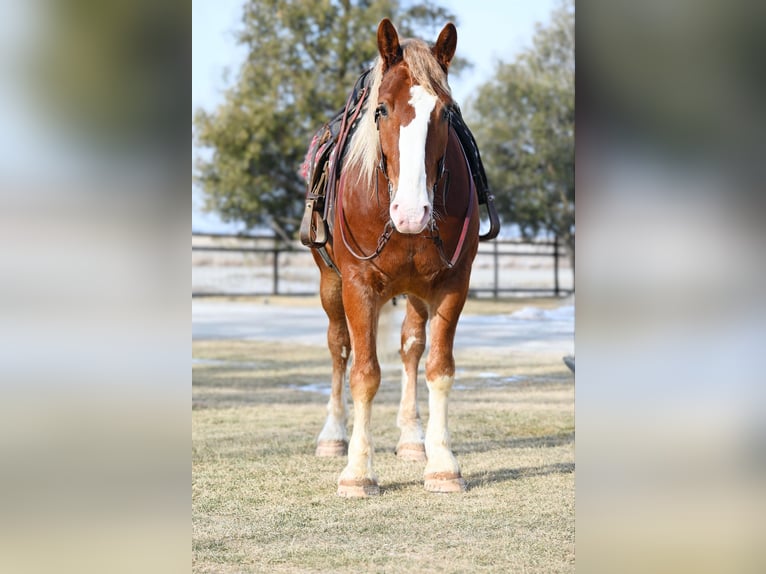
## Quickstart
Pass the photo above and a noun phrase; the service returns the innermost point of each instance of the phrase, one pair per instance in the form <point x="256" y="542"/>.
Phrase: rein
<point x="388" y="230"/>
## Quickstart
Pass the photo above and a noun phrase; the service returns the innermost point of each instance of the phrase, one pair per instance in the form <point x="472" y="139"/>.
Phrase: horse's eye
<point x="381" y="111"/>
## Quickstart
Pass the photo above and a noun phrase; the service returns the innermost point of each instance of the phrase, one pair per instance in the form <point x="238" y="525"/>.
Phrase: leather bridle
<point x="389" y="228"/>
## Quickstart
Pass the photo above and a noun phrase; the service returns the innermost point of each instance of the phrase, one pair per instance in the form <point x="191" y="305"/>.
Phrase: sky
<point x="488" y="31"/>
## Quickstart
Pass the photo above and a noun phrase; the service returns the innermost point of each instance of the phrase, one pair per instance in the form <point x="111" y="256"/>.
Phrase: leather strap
<point x="469" y="212"/>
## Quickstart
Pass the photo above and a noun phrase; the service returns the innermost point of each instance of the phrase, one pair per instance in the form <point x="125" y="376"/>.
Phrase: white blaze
<point x="412" y="192"/>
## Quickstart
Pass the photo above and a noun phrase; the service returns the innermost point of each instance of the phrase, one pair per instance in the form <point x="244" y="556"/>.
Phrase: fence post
<point x="275" y="270"/>
<point x="496" y="257"/>
<point x="556" y="264"/>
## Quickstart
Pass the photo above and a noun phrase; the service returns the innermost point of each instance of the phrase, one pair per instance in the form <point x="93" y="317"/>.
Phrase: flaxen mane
<point x="363" y="150"/>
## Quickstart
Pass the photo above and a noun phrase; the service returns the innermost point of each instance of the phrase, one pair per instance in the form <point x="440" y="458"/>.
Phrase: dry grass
<point x="263" y="503"/>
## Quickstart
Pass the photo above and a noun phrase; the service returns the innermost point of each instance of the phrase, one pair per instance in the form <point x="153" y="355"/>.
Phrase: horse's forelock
<point x="363" y="153"/>
<point x="425" y="69"/>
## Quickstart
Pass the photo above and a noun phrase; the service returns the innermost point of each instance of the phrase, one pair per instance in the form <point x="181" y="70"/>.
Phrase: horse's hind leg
<point x="410" y="446"/>
<point x="442" y="473"/>
<point x="333" y="440"/>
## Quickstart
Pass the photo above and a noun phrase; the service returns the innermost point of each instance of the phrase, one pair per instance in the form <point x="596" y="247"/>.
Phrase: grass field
<point x="262" y="502"/>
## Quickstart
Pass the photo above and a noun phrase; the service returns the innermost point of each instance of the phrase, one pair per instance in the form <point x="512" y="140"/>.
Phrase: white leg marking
<point x="360" y="449"/>
<point x="408" y="419"/>
<point x="438" y="445"/>
<point x="337" y="415"/>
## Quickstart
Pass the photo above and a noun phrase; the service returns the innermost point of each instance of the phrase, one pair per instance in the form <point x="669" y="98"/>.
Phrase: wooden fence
<point x="259" y="265"/>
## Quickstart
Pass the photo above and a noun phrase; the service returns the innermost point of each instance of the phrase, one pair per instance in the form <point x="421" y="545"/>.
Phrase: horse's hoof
<point x="358" y="488"/>
<point x="415" y="452"/>
<point x="444" y="482"/>
<point x="332" y="448"/>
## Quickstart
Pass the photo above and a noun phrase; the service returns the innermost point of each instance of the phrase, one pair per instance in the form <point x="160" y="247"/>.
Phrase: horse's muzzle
<point x="411" y="220"/>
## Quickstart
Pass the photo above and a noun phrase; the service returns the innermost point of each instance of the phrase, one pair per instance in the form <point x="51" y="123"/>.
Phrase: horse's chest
<point x="416" y="262"/>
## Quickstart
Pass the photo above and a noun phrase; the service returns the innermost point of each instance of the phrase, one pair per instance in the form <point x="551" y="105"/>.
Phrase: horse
<point x="405" y="222"/>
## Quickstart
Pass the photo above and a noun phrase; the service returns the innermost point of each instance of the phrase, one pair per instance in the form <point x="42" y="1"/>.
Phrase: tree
<point x="523" y="120"/>
<point x="303" y="59"/>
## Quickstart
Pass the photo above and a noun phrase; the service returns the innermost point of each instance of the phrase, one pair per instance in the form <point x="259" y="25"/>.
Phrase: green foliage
<point x="303" y="59"/>
<point x="523" y="120"/>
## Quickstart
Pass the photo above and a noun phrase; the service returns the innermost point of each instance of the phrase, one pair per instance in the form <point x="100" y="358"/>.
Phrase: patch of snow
<point x="535" y="314"/>
<point x="321" y="388"/>
<point x="530" y="329"/>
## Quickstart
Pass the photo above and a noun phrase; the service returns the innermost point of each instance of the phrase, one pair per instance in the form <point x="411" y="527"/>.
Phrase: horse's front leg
<point x="410" y="446"/>
<point x="442" y="473"/>
<point x="333" y="439"/>
<point x="358" y="479"/>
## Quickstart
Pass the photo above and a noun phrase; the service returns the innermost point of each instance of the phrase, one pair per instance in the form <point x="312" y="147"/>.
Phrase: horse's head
<point x="413" y="124"/>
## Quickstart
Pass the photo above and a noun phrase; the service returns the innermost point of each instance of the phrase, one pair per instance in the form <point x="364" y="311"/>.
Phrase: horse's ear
<point x="445" y="46"/>
<point x="388" y="44"/>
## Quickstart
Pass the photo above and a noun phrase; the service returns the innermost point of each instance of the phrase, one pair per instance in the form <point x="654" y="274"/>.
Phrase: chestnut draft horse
<point x="405" y="221"/>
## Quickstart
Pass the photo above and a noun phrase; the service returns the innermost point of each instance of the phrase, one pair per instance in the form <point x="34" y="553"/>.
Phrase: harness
<point x="322" y="172"/>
